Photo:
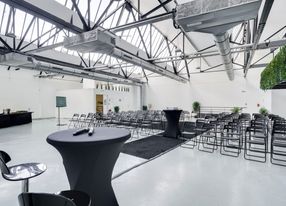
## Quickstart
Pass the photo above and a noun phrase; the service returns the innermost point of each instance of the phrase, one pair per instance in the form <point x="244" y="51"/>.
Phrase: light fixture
<point x="178" y="50"/>
<point x="272" y="50"/>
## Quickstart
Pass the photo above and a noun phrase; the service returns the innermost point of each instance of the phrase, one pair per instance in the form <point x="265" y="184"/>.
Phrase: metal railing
<point x="216" y="110"/>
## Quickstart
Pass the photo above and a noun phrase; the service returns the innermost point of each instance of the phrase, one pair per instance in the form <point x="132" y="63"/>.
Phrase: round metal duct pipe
<point x="222" y="42"/>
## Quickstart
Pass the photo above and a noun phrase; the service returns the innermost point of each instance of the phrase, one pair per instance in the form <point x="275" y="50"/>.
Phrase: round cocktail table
<point x="173" y="117"/>
<point x="89" y="160"/>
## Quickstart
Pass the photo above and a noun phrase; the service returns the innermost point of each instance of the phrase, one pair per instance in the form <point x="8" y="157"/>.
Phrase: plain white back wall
<point x="279" y="102"/>
<point x="84" y="100"/>
<point x="20" y="90"/>
<point x="78" y="101"/>
<point x="212" y="89"/>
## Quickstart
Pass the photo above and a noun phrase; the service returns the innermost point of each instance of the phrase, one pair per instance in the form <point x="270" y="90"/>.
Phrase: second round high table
<point x="89" y="160"/>
<point x="172" y="129"/>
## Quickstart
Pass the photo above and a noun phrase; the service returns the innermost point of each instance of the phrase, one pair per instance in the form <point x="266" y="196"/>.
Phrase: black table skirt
<point x="172" y="129"/>
<point x="89" y="161"/>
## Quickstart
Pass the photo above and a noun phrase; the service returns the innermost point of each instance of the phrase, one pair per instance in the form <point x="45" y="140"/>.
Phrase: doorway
<point x="99" y="103"/>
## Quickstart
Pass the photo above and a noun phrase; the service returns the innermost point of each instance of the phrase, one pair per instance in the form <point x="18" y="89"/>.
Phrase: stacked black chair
<point x="206" y="133"/>
<point x="146" y="124"/>
<point x="21" y="172"/>
<point x="135" y="124"/>
<point x="189" y="134"/>
<point x="80" y="121"/>
<point x="124" y="121"/>
<point x="256" y="144"/>
<point x="208" y="141"/>
<point x="200" y="126"/>
<point x="278" y="142"/>
<point x="93" y="121"/>
<point x="231" y="140"/>
<point x="157" y="123"/>
<point x="73" y="120"/>
<point x="88" y="122"/>
<point x="109" y="122"/>
<point x="244" y="119"/>
<point x="115" y="120"/>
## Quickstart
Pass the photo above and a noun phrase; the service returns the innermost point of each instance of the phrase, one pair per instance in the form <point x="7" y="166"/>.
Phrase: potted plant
<point x="196" y="107"/>
<point x="145" y="108"/>
<point x="116" y="109"/>
<point x="235" y="110"/>
<point x="263" y="111"/>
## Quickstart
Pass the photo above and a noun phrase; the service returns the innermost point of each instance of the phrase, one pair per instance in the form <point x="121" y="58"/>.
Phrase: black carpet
<point x="150" y="147"/>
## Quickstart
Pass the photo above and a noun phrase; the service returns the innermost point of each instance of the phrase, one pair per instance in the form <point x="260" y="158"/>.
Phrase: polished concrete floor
<point x="180" y="177"/>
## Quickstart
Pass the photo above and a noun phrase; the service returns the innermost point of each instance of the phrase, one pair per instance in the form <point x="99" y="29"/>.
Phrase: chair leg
<point x="25" y="185"/>
<point x="230" y="150"/>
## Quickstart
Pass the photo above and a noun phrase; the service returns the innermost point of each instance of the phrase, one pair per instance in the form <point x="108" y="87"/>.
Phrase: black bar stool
<point x="21" y="172"/>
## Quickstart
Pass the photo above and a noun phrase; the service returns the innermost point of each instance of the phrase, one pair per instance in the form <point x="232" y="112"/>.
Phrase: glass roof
<point x="27" y="27"/>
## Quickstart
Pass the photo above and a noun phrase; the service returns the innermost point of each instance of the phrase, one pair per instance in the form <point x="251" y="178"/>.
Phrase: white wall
<point x="279" y="102"/>
<point x="20" y="90"/>
<point x="211" y="89"/>
<point x="84" y="100"/>
<point x="78" y="101"/>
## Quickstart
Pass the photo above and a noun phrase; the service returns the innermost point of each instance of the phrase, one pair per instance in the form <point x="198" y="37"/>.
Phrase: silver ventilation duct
<point x="107" y="43"/>
<point x="222" y="42"/>
<point x="217" y="17"/>
<point x="28" y="62"/>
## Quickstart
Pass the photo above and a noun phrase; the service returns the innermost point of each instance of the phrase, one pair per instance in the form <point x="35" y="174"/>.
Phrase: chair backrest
<point x="78" y="197"/>
<point x="200" y="123"/>
<point x="43" y="199"/>
<point x="4" y="158"/>
<point x="232" y="127"/>
<point x="82" y="116"/>
<point x="75" y="116"/>
<point x="89" y="116"/>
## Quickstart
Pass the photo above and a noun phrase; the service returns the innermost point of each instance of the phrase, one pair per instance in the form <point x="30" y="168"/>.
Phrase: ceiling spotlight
<point x="272" y="50"/>
<point x="267" y="42"/>
<point x="178" y="50"/>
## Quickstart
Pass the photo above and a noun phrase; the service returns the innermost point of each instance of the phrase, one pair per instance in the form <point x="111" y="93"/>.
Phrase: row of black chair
<point x="278" y="141"/>
<point x="145" y="122"/>
<point x="233" y="133"/>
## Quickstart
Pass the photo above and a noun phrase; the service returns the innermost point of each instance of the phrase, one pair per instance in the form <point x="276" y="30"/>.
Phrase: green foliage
<point x="235" y="110"/>
<point x="263" y="111"/>
<point x="145" y="108"/>
<point x="116" y="109"/>
<point x="196" y="106"/>
<point x="275" y="72"/>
